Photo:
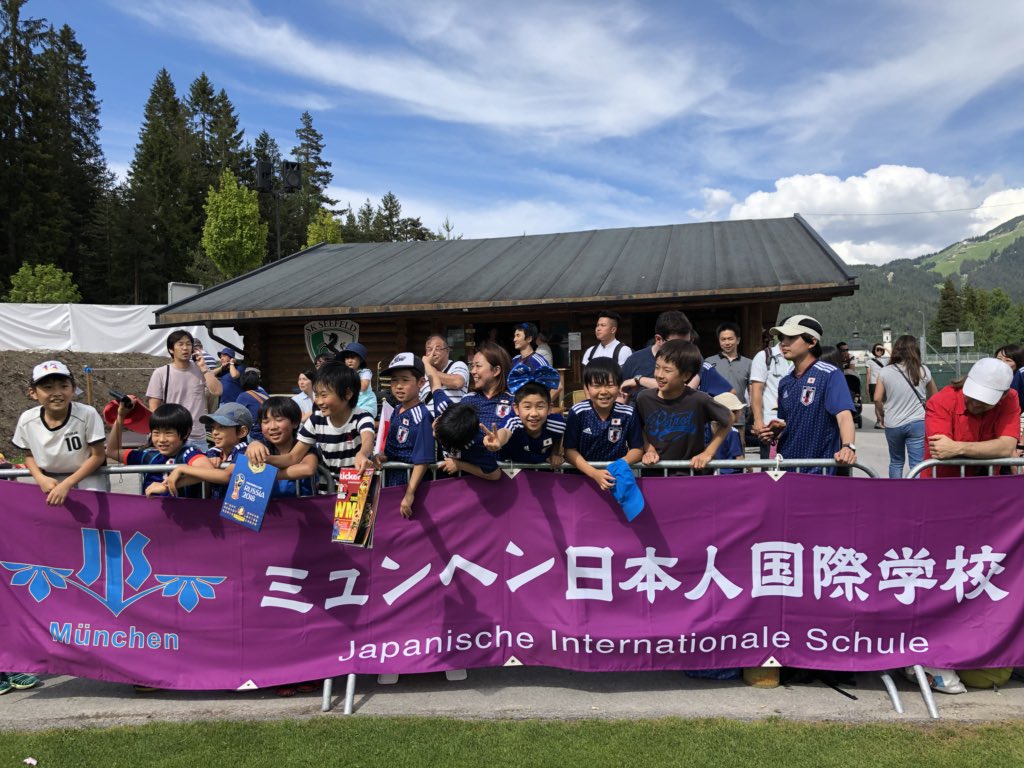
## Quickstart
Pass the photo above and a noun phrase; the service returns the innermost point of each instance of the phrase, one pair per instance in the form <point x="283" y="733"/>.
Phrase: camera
<point x="122" y="398"/>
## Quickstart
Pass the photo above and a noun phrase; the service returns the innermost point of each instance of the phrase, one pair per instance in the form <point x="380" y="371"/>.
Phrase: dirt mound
<point x="125" y="372"/>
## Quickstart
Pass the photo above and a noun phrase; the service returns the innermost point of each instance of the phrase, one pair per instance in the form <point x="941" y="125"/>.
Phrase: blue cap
<point x="353" y="348"/>
<point x="625" y="490"/>
<point x="229" y="415"/>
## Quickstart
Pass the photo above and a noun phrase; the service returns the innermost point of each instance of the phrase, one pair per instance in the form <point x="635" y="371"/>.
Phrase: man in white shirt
<point x="607" y="345"/>
<point x="454" y="374"/>
<point x="767" y="368"/>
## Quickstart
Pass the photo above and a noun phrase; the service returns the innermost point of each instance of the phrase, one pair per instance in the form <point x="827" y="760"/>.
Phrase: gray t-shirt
<point x="902" y="406"/>
<point x="184" y="387"/>
<point x="737" y="373"/>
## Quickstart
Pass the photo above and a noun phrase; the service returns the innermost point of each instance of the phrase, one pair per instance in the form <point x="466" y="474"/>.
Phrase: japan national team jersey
<point x="410" y="441"/>
<point x="63" y="449"/>
<point x="597" y="439"/>
<point x="217" y="491"/>
<point x="809" y="405"/>
<point x="533" y="362"/>
<point x="714" y="383"/>
<point x="524" y="449"/>
<point x="187" y="455"/>
<point x="489" y="410"/>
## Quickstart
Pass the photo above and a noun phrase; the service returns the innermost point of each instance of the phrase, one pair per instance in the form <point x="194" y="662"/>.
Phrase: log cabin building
<point x="394" y="295"/>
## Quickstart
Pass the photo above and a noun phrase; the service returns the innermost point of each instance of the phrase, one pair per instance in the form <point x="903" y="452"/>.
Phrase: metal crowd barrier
<point x="964" y="464"/>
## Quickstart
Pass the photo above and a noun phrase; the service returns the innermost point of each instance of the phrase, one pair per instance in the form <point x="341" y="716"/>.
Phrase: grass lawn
<point x="393" y="742"/>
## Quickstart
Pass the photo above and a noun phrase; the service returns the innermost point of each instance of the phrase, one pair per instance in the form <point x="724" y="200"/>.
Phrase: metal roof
<point x="638" y="264"/>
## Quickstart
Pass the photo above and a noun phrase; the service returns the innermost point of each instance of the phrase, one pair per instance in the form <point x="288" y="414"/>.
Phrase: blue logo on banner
<point x="104" y="554"/>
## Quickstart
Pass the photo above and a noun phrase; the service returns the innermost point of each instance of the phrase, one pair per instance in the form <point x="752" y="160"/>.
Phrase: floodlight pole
<point x="277" y="220"/>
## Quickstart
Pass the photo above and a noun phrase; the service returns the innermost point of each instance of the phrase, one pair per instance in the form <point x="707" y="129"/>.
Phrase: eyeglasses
<point x="435" y="349"/>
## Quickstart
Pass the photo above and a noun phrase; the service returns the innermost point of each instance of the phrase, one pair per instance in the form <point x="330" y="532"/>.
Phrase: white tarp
<point x="94" y="328"/>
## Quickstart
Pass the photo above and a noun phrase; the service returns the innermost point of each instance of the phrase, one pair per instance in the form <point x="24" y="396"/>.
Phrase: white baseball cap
<point x="50" y="368"/>
<point x="988" y="380"/>
<point x="798" y="325"/>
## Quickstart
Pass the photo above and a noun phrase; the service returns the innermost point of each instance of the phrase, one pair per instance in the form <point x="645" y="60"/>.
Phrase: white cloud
<point x="997" y="208"/>
<point x="565" y="69"/>
<point x="874" y="252"/>
<point x="715" y="202"/>
<point x="888" y="212"/>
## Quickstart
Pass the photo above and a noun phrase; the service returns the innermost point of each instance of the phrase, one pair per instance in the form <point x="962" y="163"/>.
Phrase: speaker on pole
<point x="264" y="176"/>
<point x="291" y="176"/>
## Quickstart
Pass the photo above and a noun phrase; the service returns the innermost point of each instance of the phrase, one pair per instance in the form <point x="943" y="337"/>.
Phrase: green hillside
<point x="900" y="292"/>
<point x="949" y="260"/>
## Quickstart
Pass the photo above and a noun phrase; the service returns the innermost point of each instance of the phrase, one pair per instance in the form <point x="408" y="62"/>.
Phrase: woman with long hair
<point x="900" y="393"/>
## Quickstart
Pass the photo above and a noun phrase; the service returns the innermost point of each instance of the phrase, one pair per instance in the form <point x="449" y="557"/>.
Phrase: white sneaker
<point x="456" y="675"/>
<point x="387" y="679"/>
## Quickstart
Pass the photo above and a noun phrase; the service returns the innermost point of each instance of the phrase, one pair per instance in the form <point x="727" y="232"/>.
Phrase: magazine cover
<point x="356" y="506"/>
<point x="248" y="493"/>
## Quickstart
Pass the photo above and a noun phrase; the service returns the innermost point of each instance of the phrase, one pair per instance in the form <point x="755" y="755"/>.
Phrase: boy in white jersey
<point x="62" y="439"/>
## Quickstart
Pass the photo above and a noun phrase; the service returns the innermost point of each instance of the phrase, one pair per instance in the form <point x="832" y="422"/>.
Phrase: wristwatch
<point x="851" y="446"/>
<point x="637" y="380"/>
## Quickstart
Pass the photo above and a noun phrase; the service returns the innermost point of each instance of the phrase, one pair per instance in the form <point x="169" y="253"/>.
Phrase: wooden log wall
<point x="279" y="348"/>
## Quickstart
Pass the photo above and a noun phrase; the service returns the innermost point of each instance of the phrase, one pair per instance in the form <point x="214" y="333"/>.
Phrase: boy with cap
<point x="976" y="418"/>
<point x="410" y="437"/>
<point x="732" y="447"/>
<point x="62" y="439"/>
<point x="229" y="427"/>
<point x="815" y="408"/>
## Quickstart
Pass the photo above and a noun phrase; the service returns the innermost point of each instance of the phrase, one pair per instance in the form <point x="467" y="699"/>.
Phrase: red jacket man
<point x="980" y="420"/>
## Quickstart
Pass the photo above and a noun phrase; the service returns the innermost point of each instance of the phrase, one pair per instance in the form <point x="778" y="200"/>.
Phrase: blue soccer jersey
<point x="490" y="411"/>
<point x="410" y="440"/>
<point x="731" y="448"/>
<point x="714" y="383"/>
<point x="187" y="455"/>
<point x="534" y="361"/>
<point x="809" y="404"/>
<point x="598" y="439"/>
<point x="217" y="491"/>
<point x="524" y="448"/>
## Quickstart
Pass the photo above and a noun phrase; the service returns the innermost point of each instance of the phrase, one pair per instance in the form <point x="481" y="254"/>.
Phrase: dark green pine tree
<point x="265" y="148"/>
<point x="20" y="40"/>
<point x="74" y="155"/>
<point x="199" y="106"/>
<point x="948" y="314"/>
<point x="164" y="224"/>
<point x="316" y="177"/>
<point x="387" y="220"/>
<point x="227" y="140"/>
<point x="108" y="271"/>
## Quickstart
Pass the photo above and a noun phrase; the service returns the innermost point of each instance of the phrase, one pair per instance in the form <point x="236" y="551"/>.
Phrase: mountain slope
<point x="897" y="293"/>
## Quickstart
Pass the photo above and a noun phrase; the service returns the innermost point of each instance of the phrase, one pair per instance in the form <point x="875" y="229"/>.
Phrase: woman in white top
<point x="900" y="392"/>
<point x="305" y="396"/>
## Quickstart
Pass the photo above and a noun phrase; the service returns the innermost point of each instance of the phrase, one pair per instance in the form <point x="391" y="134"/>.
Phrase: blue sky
<point x="545" y="116"/>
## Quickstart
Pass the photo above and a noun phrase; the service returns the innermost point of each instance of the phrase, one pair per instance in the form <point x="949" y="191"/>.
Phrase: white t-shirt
<point x="304" y="401"/>
<point x="453" y="368"/>
<point x="62" y="450"/>
<point x="605" y="350"/>
<point x="770" y="373"/>
<point x="185" y="387"/>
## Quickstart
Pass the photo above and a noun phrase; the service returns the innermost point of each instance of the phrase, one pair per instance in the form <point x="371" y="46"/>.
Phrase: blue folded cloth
<point x="625" y="490"/>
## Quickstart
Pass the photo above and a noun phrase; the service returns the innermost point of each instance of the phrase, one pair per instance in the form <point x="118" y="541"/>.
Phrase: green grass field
<point x="424" y="742"/>
<point x="948" y="261"/>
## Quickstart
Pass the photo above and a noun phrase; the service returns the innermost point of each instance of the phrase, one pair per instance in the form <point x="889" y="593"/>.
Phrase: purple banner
<point x="820" y="572"/>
